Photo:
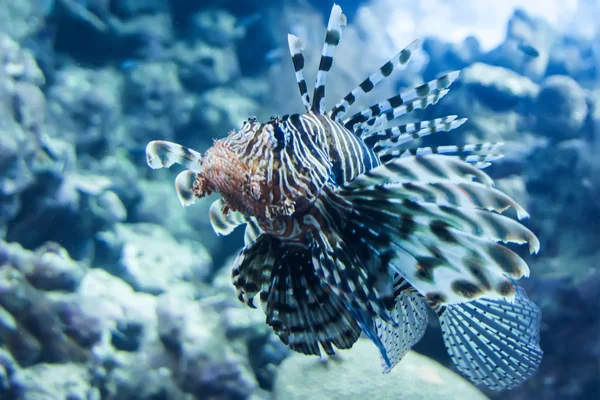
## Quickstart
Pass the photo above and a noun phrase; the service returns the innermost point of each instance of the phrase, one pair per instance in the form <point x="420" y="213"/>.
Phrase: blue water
<point x="110" y="289"/>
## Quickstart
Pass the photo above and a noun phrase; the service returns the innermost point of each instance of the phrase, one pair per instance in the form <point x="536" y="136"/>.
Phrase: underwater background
<point x="109" y="289"/>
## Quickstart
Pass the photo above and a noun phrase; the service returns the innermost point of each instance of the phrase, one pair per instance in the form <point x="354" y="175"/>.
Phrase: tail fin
<point x="493" y="342"/>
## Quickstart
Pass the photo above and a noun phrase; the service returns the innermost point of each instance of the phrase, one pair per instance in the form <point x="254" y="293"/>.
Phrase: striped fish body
<point x="350" y="231"/>
<point x="273" y="172"/>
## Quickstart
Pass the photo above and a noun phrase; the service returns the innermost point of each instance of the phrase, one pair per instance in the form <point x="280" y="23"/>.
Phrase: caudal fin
<point x="493" y="342"/>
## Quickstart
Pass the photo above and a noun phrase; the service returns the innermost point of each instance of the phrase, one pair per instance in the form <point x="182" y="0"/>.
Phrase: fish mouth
<point x="223" y="172"/>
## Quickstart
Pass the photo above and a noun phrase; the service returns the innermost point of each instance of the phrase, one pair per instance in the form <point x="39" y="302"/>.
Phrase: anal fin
<point x="411" y="310"/>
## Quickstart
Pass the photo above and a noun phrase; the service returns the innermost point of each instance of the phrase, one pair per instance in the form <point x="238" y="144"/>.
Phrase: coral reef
<point x="109" y="289"/>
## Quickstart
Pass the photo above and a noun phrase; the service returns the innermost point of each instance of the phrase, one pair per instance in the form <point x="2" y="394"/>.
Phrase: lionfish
<point x="349" y="231"/>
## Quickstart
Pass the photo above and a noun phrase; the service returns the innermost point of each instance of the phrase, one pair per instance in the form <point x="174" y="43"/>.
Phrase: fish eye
<point x="280" y="138"/>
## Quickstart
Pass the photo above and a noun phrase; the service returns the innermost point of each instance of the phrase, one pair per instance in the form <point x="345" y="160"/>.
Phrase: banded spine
<point x="337" y="20"/>
<point x="397" y="62"/>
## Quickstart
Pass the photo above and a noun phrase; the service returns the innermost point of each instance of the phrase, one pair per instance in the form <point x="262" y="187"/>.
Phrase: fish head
<point x="241" y="167"/>
<point x="246" y="168"/>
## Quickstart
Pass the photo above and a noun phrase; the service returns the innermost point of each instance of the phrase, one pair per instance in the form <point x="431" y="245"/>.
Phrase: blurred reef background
<point x="109" y="289"/>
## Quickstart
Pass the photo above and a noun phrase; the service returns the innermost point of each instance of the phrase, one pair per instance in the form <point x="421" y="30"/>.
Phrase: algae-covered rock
<point x="444" y="56"/>
<point x="151" y="260"/>
<point x="54" y="382"/>
<point x="8" y="368"/>
<point x="17" y="62"/>
<point x="356" y="374"/>
<point x="22" y="19"/>
<point x="194" y="333"/>
<point x="201" y="66"/>
<point x="29" y="327"/>
<point x="217" y="27"/>
<point x="221" y="109"/>
<point x="85" y="102"/>
<point x="161" y="195"/>
<point x="496" y="100"/>
<point x="155" y="102"/>
<point x="527" y="46"/>
<point x="135" y="8"/>
<point x="561" y="108"/>
<point x="48" y="268"/>
<point x="498" y="87"/>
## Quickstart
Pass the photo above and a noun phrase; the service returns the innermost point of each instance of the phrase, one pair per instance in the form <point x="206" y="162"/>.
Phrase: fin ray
<point x="417" y="98"/>
<point x="337" y="21"/>
<point x="402" y="134"/>
<point x="434" y="242"/>
<point x="252" y="268"/>
<point x="410" y="310"/>
<point x="484" y="224"/>
<point x="429" y="168"/>
<point x="252" y="231"/>
<point x="501" y="351"/>
<point x="463" y="195"/>
<point x="295" y="46"/>
<point x="302" y="311"/>
<point x="400" y="60"/>
<point x="481" y="149"/>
